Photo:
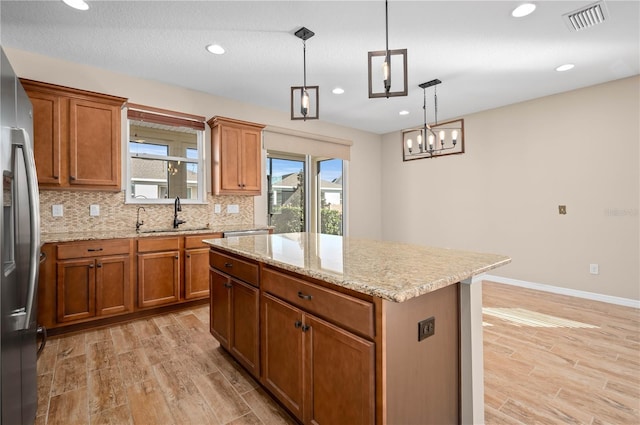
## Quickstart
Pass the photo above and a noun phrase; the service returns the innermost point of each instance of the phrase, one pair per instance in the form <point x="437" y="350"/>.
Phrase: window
<point x="297" y="203"/>
<point x="165" y="158"/>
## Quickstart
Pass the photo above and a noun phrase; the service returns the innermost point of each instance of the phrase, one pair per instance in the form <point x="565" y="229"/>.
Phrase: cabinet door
<point x="94" y="144"/>
<point x="245" y="338"/>
<point x="196" y="273"/>
<point x="340" y="375"/>
<point x="158" y="278"/>
<point x="220" y="310"/>
<point x="230" y="139"/>
<point x="76" y="290"/>
<point x="251" y="160"/>
<point x="113" y="285"/>
<point x="282" y="352"/>
<point x="46" y="137"/>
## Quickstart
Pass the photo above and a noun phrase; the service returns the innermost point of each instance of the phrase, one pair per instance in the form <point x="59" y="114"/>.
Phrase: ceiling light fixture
<point x="337" y="90"/>
<point x="433" y="140"/>
<point x="523" y="10"/>
<point x="384" y="69"/>
<point x="565" y="67"/>
<point x="216" y="49"/>
<point x="77" y="4"/>
<point x="303" y="106"/>
<point x="403" y="112"/>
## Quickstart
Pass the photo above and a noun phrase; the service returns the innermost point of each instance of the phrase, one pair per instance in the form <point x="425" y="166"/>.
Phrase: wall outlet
<point x="594" y="269"/>
<point x="217" y="208"/>
<point x="426" y="328"/>
<point x="233" y="209"/>
<point x="94" y="210"/>
<point x="57" y="210"/>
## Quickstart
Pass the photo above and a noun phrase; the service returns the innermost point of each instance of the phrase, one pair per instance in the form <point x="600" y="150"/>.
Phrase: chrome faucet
<point x="138" y="222"/>
<point x="177" y="207"/>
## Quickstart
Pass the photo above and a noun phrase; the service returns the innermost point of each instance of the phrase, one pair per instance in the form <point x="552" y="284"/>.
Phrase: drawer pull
<point x="99" y="265"/>
<point x="305" y="328"/>
<point x="304" y="296"/>
<point x="177" y="257"/>
<point x="90" y="266"/>
<point x="94" y="249"/>
<point x="227" y="285"/>
<point x="228" y="265"/>
<point x="297" y="324"/>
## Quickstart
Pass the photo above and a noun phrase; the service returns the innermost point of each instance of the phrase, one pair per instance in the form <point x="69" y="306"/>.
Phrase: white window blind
<point x="298" y="142"/>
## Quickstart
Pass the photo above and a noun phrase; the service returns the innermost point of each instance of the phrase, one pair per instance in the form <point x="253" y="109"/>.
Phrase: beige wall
<point x="578" y="149"/>
<point x="364" y="193"/>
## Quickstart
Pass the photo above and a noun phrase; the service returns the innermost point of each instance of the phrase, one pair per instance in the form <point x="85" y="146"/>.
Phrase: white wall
<point x="364" y="176"/>
<point x="579" y="149"/>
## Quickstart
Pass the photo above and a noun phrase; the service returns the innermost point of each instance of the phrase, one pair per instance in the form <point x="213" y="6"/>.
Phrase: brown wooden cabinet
<point x="158" y="271"/>
<point x="93" y="280"/>
<point x="77" y="137"/>
<point x="320" y="372"/>
<point x="235" y="319"/>
<point x="236" y="148"/>
<point x="196" y="265"/>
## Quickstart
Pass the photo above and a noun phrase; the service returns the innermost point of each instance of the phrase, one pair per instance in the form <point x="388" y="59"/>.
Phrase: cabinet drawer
<point x="346" y="311"/>
<point x="158" y="244"/>
<point x="92" y="248"/>
<point x="235" y="267"/>
<point x="195" y="241"/>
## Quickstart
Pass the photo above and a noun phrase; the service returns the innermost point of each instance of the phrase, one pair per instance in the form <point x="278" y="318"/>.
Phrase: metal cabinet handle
<point x="90" y="266"/>
<point x="297" y="324"/>
<point x="94" y="249"/>
<point x="72" y="177"/>
<point x="188" y="255"/>
<point x="228" y="264"/>
<point x="55" y="177"/>
<point x="177" y="257"/>
<point x="227" y="285"/>
<point x="304" y="296"/>
<point x="305" y="328"/>
<point x="99" y="265"/>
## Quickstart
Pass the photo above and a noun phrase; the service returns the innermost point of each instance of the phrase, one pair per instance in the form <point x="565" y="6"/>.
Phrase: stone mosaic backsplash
<point x="115" y="215"/>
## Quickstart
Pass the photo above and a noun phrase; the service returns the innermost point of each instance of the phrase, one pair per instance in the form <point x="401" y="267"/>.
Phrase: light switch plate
<point x="233" y="209"/>
<point x="94" y="210"/>
<point x="217" y="208"/>
<point x="57" y="210"/>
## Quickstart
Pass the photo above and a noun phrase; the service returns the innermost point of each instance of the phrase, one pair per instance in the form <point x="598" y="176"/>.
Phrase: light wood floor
<point x="170" y="370"/>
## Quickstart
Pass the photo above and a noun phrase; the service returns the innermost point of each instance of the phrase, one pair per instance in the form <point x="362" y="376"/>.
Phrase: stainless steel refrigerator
<point x="20" y="235"/>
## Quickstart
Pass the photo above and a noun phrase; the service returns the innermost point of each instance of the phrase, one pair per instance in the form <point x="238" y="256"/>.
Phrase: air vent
<point x="586" y="17"/>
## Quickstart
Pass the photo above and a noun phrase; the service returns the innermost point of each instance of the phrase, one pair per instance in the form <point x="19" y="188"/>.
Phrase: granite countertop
<point x="389" y="270"/>
<point x="125" y="234"/>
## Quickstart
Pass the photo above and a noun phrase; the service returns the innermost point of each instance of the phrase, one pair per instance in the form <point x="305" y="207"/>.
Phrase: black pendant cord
<point x="304" y="64"/>
<point x="386" y="25"/>
<point x="424" y="107"/>
<point x="435" y="103"/>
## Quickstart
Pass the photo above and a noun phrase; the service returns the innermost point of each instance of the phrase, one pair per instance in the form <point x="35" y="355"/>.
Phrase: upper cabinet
<point x="236" y="150"/>
<point x="77" y="137"/>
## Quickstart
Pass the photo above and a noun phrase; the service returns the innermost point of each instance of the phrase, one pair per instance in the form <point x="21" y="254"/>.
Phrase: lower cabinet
<point x="196" y="266"/>
<point x="234" y="319"/>
<point x="322" y="373"/>
<point x="158" y="278"/>
<point x="89" y="286"/>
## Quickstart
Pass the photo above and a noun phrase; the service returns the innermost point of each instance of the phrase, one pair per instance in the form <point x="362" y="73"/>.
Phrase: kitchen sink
<point x="174" y="230"/>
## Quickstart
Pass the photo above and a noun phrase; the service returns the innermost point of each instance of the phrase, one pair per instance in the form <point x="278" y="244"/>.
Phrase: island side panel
<point x="471" y="344"/>
<point x="422" y="378"/>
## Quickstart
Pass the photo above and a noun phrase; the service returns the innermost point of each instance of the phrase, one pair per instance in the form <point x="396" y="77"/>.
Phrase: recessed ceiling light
<point x="404" y="112"/>
<point x="77" y="4"/>
<point x="565" y="67"/>
<point x="523" y="10"/>
<point x="216" y="49"/>
<point x="337" y="90"/>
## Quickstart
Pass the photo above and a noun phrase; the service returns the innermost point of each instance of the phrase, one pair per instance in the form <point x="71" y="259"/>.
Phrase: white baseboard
<point x="627" y="302"/>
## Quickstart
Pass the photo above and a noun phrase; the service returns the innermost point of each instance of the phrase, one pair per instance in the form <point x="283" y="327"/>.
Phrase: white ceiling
<point x="484" y="57"/>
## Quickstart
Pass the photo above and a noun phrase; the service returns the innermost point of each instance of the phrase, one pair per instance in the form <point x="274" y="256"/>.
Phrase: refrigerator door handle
<point x="20" y="138"/>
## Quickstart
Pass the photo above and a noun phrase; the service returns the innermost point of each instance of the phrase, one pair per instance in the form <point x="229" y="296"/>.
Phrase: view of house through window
<point x="298" y="203"/>
<point x="164" y="162"/>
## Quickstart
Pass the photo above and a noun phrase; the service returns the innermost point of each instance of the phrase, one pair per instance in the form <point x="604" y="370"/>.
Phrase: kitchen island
<point x="344" y="330"/>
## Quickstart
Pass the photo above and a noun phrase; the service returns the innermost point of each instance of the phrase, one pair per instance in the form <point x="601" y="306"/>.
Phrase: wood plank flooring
<point x="169" y="370"/>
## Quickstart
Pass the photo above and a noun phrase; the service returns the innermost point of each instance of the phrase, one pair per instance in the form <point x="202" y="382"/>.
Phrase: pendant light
<point x="380" y="84"/>
<point x="304" y="99"/>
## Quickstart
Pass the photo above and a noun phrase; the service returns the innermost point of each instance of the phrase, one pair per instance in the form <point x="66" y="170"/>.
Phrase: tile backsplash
<point x="115" y="215"/>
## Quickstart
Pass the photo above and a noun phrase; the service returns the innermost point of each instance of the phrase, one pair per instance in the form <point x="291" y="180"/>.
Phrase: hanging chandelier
<point x="429" y="141"/>
<point x="304" y="99"/>
<point x="381" y="67"/>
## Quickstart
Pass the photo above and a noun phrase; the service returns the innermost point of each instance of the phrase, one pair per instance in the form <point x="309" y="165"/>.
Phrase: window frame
<point x="137" y="114"/>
